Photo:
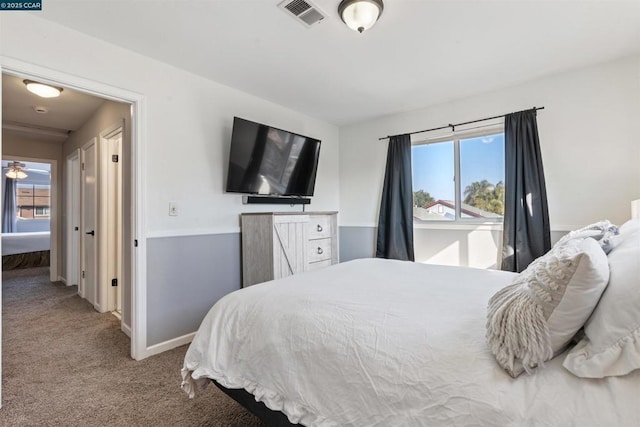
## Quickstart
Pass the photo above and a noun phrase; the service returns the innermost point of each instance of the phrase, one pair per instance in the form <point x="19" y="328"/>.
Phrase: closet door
<point x="89" y="216"/>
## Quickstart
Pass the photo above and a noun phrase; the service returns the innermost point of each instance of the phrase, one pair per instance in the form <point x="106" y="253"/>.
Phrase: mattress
<point x="380" y="342"/>
<point x="20" y="243"/>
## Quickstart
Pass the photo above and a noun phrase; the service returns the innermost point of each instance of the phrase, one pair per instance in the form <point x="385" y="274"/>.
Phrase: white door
<point x="89" y="276"/>
<point x="73" y="177"/>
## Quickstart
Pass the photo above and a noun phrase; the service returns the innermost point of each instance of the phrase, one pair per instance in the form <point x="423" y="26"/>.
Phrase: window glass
<point x="433" y="170"/>
<point x="482" y="176"/>
<point x="477" y="194"/>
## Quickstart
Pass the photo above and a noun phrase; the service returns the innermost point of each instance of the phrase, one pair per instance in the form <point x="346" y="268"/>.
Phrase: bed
<point x="376" y="342"/>
<point x="25" y="249"/>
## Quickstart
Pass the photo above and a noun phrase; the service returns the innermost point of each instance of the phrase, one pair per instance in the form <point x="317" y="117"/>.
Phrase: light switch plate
<point x="173" y="209"/>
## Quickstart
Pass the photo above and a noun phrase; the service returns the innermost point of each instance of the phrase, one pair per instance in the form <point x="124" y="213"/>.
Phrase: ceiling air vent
<point x="304" y="11"/>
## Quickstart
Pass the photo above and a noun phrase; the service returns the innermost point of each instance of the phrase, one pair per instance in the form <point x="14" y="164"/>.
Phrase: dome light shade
<point x="42" y="90"/>
<point x="360" y="15"/>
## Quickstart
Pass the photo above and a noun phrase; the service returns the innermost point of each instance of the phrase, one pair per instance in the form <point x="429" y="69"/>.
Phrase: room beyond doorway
<point x="121" y="107"/>
<point x="26" y="208"/>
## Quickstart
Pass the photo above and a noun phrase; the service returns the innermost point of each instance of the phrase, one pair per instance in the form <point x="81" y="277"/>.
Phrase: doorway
<point x="133" y="299"/>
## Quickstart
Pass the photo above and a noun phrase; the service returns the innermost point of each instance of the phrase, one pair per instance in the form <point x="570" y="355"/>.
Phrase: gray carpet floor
<point x="64" y="364"/>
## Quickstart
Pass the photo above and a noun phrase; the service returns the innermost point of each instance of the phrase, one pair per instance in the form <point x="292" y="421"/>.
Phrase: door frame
<point x="110" y="226"/>
<point x="11" y="66"/>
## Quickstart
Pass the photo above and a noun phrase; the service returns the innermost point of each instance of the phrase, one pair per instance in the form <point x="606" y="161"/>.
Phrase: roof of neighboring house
<point x="464" y="208"/>
<point x="424" y="215"/>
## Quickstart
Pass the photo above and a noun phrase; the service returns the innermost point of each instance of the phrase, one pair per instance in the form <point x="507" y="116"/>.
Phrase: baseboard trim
<point x="170" y="344"/>
<point x="99" y="308"/>
<point x="126" y="329"/>
<point x="63" y="280"/>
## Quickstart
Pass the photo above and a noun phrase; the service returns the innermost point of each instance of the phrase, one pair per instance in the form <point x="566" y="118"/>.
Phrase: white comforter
<point x="388" y="343"/>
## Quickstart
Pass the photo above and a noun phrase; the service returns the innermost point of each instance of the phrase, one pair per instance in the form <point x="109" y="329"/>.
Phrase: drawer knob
<point x="320" y="251"/>
<point x="319" y="228"/>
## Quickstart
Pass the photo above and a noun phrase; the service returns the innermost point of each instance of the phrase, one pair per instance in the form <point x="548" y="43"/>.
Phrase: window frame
<point x="455" y="137"/>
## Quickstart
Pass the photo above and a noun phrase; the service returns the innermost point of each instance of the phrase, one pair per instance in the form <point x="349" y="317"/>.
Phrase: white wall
<point x="589" y="140"/>
<point x="32" y="147"/>
<point x="189" y="122"/>
<point x="109" y="113"/>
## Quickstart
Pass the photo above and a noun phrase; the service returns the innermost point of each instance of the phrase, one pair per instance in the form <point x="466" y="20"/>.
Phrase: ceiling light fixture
<point x="15" y="170"/>
<point x="360" y="15"/>
<point x="42" y="90"/>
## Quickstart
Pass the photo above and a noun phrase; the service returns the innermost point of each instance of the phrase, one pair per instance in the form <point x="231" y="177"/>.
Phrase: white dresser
<point x="276" y="245"/>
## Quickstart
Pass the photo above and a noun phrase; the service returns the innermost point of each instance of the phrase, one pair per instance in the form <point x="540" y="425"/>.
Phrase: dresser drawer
<point x="319" y="227"/>
<point x="319" y="250"/>
<point x="318" y="265"/>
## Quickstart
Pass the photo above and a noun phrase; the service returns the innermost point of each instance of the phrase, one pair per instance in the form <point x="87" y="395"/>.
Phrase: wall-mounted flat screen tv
<point x="269" y="161"/>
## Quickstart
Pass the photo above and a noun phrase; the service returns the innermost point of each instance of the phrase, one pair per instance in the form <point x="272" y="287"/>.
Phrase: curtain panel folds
<point x="395" y="223"/>
<point x="526" y="232"/>
<point x="9" y="208"/>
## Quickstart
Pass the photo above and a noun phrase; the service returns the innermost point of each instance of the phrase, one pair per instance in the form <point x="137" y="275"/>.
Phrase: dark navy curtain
<point x="395" y="224"/>
<point x="9" y="217"/>
<point x="526" y="234"/>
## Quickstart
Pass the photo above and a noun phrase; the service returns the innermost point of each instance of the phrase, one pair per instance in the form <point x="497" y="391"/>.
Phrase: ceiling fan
<point x="15" y="170"/>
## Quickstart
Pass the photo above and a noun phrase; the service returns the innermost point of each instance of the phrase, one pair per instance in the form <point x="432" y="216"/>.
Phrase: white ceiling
<point x="67" y="112"/>
<point x="420" y="53"/>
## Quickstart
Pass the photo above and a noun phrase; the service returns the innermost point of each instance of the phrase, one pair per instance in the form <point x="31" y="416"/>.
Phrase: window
<point x="30" y="205"/>
<point x="32" y="199"/>
<point x="42" y="211"/>
<point x="460" y="178"/>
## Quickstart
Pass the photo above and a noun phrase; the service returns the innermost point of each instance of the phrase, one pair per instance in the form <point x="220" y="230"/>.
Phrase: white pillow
<point x="602" y="231"/>
<point x="630" y="227"/>
<point x="534" y="318"/>
<point x="611" y="346"/>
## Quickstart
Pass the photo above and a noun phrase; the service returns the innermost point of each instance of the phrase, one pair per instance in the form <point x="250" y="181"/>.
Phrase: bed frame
<point x="259" y="409"/>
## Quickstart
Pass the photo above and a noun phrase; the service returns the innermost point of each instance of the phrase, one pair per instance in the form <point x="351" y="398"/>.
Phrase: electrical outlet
<point x="173" y="209"/>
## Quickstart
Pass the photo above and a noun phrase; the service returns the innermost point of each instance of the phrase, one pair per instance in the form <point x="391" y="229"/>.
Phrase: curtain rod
<point x="453" y="126"/>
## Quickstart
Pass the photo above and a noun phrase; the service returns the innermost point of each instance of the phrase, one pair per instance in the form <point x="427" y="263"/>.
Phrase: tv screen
<point x="270" y="161"/>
